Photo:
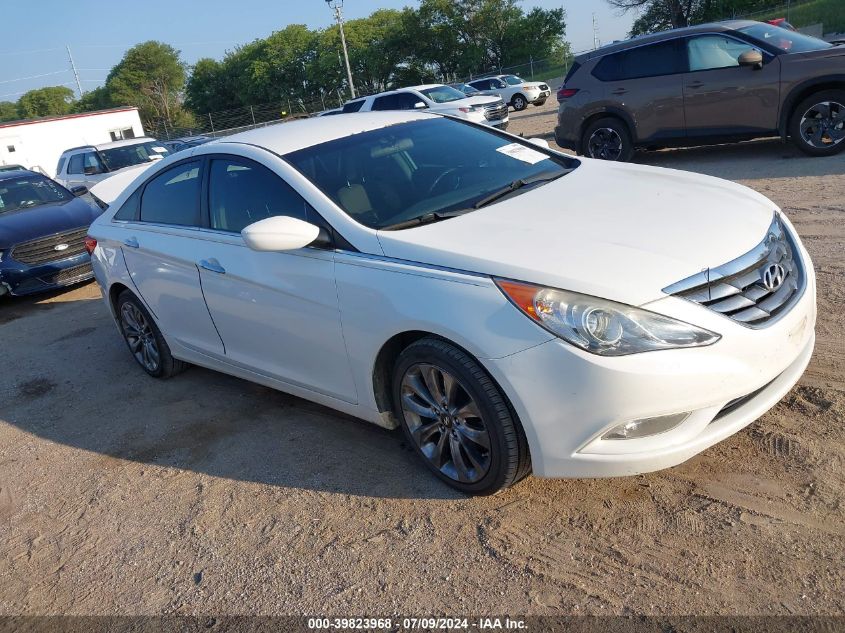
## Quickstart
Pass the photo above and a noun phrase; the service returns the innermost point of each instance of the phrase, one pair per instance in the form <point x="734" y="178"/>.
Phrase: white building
<point x="38" y="143"/>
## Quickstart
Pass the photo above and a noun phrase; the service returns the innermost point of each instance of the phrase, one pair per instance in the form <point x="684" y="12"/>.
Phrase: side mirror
<point x="419" y="105"/>
<point x="81" y="190"/>
<point x="752" y="58"/>
<point x="539" y="142"/>
<point x="279" y="233"/>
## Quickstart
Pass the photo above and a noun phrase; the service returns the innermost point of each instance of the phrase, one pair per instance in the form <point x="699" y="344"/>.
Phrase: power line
<point x="9" y="81"/>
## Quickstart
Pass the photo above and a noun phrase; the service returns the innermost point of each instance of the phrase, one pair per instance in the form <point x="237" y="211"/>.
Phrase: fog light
<point x="647" y="426"/>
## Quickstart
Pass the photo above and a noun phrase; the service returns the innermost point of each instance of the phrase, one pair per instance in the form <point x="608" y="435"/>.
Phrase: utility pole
<point x="595" y="32"/>
<point x="73" y="68"/>
<point x="337" y="6"/>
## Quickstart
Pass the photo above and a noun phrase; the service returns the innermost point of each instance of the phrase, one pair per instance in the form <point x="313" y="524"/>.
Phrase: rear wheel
<point x="607" y="139"/>
<point x="457" y="419"/>
<point x="144" y="339"/>
<point x="519" y="103"/>
<point x="817" y="126"/>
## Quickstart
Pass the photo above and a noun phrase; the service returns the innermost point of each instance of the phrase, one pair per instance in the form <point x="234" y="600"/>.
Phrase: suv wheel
<point x="519" y="103"/>
<point x="607" y="139"/>
<point x="457" y="420"/>
<point x="817" y="125"/>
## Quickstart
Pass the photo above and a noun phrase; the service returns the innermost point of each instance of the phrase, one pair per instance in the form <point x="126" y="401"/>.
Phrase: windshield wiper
<point x="425" y="218"/>
<point x="517" y="185"/>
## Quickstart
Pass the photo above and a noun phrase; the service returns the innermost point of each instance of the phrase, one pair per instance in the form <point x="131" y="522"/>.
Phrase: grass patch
<point x="830" y="13"/>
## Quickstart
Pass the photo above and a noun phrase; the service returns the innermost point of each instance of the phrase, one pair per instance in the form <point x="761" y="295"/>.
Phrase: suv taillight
<point x="90" y="244"/>
<point x="565" y="93"/>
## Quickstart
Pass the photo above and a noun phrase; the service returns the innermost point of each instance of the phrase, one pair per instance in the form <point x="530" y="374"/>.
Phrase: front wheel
<point x="607" y="139"/>
<point x="519" y="103"/>
<point x="457" y="419"/>
<point x="817" y="126"/>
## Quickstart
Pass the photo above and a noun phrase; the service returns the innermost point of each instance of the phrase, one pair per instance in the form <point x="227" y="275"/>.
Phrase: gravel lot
<point x="206" y="494"/>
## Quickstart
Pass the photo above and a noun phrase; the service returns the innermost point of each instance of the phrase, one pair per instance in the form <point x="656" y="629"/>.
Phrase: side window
<point x="172" y="197"/>
<point x="91" y="163"/>
<point x="406" y="101"/>
<point x="241" y="193"/>
<point x="61" y="165"/>
<point x="75" y="164"/>
<point x="353" y="106"/>
<point x="482" y="84"/>
<point x="709" y="52"/>
<point x="129" y="210"/>
<point x="652" y="60"/>
<point x="497" y="84"/>
<point x="387" y="102"/>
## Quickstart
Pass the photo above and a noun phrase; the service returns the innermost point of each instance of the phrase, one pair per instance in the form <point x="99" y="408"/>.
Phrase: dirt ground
<point x="209" y="495"/>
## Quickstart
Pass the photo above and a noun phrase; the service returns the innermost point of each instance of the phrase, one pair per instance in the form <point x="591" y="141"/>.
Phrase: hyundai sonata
<point x="513" y="309"/>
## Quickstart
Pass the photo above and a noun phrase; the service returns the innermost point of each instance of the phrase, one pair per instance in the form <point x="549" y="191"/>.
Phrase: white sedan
<point x="513" y="309"/>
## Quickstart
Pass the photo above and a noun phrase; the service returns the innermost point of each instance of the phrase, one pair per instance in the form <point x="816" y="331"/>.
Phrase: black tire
<point x="539" y="102"/>
<point x="827" y="144"/>
<point x="165" y="366"/>
<point x="508" y="459"/>
<point x="519" y="102"/>
<point x="612" y="130"/>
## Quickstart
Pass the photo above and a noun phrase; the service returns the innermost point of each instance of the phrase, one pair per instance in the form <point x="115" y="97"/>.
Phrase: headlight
<point x="602" y="327"/>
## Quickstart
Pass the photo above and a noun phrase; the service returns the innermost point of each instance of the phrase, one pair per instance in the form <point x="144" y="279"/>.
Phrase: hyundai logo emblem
<point x="60" y="247"/>
<point x="773" y="277"/>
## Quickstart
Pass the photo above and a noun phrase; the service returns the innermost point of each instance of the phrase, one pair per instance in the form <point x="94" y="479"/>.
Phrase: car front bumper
<point x="18" y="279"/>
<point x="567" y="399"/>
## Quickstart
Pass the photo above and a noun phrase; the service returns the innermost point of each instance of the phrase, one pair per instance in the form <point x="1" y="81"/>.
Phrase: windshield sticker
<point x="159" y="149"/>
<point x="520" y="152"/>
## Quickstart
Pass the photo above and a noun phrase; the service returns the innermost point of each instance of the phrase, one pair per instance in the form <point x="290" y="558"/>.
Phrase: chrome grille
<point x="754" y="289"/>
<point x="495" y="111"/>
<point x="43" y="250"/>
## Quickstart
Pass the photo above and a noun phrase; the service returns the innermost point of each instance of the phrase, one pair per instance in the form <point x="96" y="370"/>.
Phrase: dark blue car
<point x="42" y="234"/>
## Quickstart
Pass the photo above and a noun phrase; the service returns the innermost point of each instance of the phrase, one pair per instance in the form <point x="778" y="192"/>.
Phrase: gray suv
<point x="701" y="85"/>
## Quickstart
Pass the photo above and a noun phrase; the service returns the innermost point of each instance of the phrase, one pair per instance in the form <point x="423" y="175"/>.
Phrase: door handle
<point x="695" y="84"/>
<point x="131" y="242"/>
<point x="212" y="265"/>
<point x="620" y="91"/>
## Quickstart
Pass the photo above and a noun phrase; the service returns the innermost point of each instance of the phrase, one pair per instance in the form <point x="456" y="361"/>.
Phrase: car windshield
<point x="785" y="40"/>
<point x="513" y="80"/>
<point x="127" y="155"/>
<point x="465" y="88"/>
<point x="443" y="94"/>
<point x="27" y="192"/>
<point x="400" y="173"/>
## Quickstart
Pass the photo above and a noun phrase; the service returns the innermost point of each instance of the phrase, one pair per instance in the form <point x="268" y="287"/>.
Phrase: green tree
<point x="48" y="101"/>
<point x="150" y="76"/>
<point x="210" y="87"/>
<point x="8" y="111"/>
<point x="97" y="99"/>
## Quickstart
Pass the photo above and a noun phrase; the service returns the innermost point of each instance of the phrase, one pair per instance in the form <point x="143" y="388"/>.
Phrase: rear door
<point x="645" y="83"/>
<point x="162" y="252"/>
<point x="277" y="313"/>
<point x="722" y="98"/>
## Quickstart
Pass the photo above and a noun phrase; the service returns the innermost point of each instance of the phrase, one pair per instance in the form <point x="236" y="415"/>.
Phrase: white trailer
<point x="38" y="143"/>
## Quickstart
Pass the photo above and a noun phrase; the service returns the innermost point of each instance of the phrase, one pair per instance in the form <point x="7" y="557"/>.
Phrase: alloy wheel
<point x="140" y="337"/>
<point x="446" y="423"/>
<point x="823" y="125"/>
<point x="605" y="143"/>
<point x="519" y="103"/>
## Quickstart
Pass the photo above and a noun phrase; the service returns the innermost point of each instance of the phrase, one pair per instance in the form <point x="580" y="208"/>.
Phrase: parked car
<point x="436" y="98"/>
<point x="514" y="90"/>
<point x="12" y="168"/>
<point x="510" y="307"/>
<point x="42" y="234"/>
<point x="781" y="22"/>
<point x="705" y="84"/>
<point x="467" y="89"/>
<point x="178" y="144"/>
<point x="84" y="166"/>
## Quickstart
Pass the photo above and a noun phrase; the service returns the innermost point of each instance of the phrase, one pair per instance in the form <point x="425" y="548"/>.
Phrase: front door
<point x="277" y="313"/>
<point x="722" y="98"/>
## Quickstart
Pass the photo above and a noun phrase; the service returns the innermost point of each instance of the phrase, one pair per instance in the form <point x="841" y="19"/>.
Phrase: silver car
<point x="87" y="165"/>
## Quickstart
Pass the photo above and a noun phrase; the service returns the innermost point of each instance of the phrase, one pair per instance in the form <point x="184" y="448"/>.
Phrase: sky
<point x="33" y="54"/>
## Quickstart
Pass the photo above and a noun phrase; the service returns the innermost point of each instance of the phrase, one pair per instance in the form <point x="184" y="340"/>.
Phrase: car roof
<point x="710" y="27"/>
<point x="17" y="173"/>
<point x="111" y="144"/>
<point x="291" y="136"/>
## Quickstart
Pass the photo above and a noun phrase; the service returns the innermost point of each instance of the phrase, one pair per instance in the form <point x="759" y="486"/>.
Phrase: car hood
<point x="110" y="188"/>
<point x="29" y="224"/>
<point x="622" y="232"/>
<point x="471" y="101"/>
